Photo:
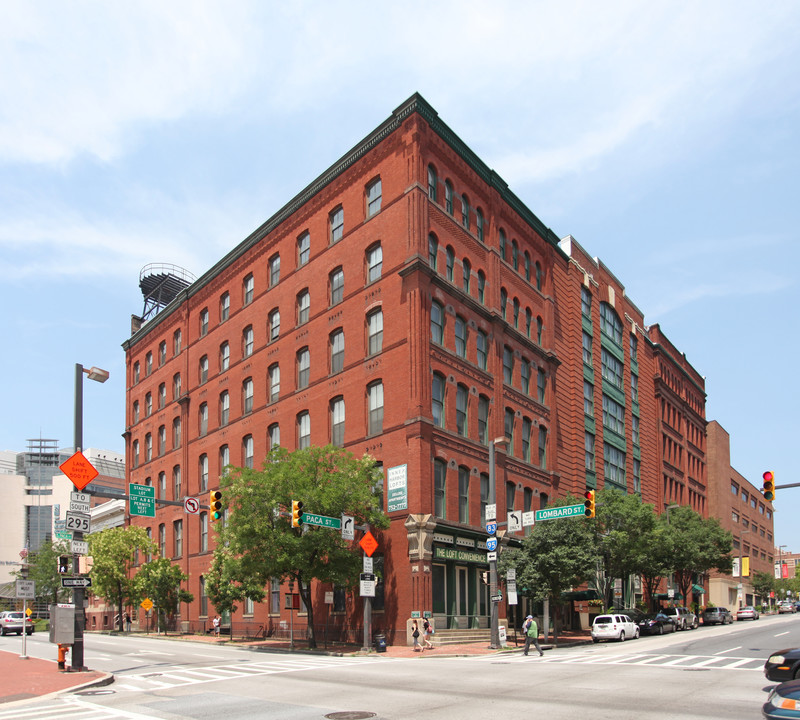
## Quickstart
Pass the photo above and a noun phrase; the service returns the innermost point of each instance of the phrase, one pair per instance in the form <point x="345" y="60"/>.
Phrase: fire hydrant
<point x="62" y="656"/>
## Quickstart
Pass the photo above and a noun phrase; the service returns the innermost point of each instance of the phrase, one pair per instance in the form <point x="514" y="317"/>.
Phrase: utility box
<point x="62" y="624"/>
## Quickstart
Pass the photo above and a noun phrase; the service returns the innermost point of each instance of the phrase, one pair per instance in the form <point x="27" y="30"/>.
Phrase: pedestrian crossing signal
<point x="63" y="564"/>
<point x="589" y="503"/>
<point x="297" y="513"/>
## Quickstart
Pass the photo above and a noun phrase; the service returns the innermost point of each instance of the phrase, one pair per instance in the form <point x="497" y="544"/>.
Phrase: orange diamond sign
<point x="79" y="470"/>
<point x="368" y="543"/>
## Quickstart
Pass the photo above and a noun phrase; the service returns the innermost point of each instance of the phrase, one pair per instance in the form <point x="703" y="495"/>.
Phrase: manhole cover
<point x="350" y="715"/>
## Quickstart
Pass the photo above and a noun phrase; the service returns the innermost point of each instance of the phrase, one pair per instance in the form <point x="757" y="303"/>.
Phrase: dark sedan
<point x="783" y="665"/>
<point x="656" y="624"/>
<point x="783" y="702"/>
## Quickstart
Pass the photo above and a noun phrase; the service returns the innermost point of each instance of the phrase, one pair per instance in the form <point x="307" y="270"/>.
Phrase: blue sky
<point x="663" y="136"/>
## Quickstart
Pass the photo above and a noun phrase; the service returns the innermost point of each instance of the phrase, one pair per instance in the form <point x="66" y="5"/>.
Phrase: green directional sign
<point x="556" y="513"/>
<point x="142" y="500"/>
<point x="323" y="521"/>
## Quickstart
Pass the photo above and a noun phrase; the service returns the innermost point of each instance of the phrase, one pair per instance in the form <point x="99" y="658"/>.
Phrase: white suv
<point x="11" y="621"/>
<point x="683" y="618"/>
<point x="614" y="627"/>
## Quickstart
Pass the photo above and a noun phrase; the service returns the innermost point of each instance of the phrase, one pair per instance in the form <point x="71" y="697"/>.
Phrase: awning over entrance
<point x="580" y="595"/>
<point x="698" y="589"/>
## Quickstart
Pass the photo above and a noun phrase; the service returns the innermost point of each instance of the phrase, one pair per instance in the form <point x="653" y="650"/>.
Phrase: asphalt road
<point x="710" y="673"/>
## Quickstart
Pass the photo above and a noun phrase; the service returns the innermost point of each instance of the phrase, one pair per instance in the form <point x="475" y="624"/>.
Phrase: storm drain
<point x="350" y="715"/>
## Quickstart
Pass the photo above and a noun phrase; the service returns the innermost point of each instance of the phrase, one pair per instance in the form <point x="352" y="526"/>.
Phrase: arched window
<point x="538" y="276"/>
<point x="479" y="224"/>
<point x="450" y="257"/>
<point x="465" y="211"/>
<point x="515" y="254"/>
<point x="433" y="182"/>
<point x="437" y="399"/>
<point x="433" y="250"/>
<point x="448" y="196"/>
<point x="437" y="323"/>
<point x="465" y="264"/>
<point x="502" y="237"/>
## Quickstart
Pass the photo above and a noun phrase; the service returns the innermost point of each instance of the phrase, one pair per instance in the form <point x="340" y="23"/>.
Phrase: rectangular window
<point x="542" y="446"/>
<point x="484" y="496"/>
<point x="224" y="307"/>
<point x="337" y="286"/>
<point x="613" y="415"/>
<point x="437" y="400"/>
<point x="526" y="439"/>
<point x="247" y="396"/>
<point x="463" y="495"/>
<point x="612" y="368"/>
<point x="375" y="408"/>
<point x="374" y="197"/>
<point x="177" y="530"/>
<point x="637" y="476"/>
<point x="274" y="270"/>
<point x="303" y="368"/>
<point x="586" y="303"/>
<point x="508" y="365"/>
<point x="635" y="429"/>
<point x="375" y="332"/>
<point x="248" y="451"/>
<point x="248" y="288"/>
<point x="541" y="385"/>
<point x="587" y="349"/>
<point x="337" y="422"/>
<point x="303" y="249"/>
<point x="374" y="263"/>
<point x="508" y="425"/>
<point x="462" y="398"/>
<point x="337" y="225"/>
<point x="461" y="336"/>
<point x="483" y="342"/>
<point x="303" y="307"/>
<point x="203" y="532"/>
<point x="588" y="444"/>
<point x="439" y="486"/>
<point x="337" y="351"/>
<point x="634" y="388"/>
<point x="614" y="464"/>
<point x="483" y="420"/>
<point x="525" y="376"/>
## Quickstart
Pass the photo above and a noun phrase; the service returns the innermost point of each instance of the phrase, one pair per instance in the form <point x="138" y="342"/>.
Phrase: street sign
<point x="556" y="513"/>
<point x="491" y="556"/>
<point x="367" y="588"/>
<point x="142" y="500"/>
<point x="26" y="589"/>
<point x="491" y="512"/>
<point x="528" y="518"/>
<point x="79" y="470"/>
<point x="491" y="543"/>
<point x="491" y="527"/>
<point x="348" y="527"/>
<point x="511" y="574"/>
<point x="321" y="521"/>
<point x="80" y="547"/>
<point x="367" y="564"/>
<point x="514" y="521"/>
<point x="191" y="505"/>
<point x="368" y="543"/>
<point x="76" y="582"/>
<point x="368" y="577"/>
<point x="63" y="535"/>
<point x="78" y="522"/>
<point x="498" y="597"/>
<point x="146" y="604"/>
<point x="79" y="502"/>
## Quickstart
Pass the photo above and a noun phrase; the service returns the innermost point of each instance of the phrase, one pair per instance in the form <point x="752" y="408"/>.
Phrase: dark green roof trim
<point x="415" y="104"/>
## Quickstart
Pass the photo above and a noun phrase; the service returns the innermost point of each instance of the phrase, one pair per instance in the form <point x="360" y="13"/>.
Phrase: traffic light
<point x="769" y="485"/>
<point x="215" y="504"/>
<point x="63" y="564"/>
<point x="297" y="513"/>
<point x="589" y="503"/>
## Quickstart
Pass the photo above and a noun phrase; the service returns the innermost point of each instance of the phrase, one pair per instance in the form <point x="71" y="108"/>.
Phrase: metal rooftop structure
<point x="160" y="284"/>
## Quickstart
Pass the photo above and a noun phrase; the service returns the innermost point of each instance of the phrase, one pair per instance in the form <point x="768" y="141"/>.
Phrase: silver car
<point x="11" y="621"/>
<point x="717" y="616"/>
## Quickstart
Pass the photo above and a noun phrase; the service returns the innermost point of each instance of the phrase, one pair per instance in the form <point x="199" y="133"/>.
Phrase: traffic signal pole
<point x="78" y="593"/>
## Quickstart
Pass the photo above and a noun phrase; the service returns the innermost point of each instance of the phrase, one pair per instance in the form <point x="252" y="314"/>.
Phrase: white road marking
<point x="738" y="647"/>
<point x="783" y="633"/>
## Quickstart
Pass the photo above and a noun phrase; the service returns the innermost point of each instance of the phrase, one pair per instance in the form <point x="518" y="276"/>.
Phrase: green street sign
<point x="142" y="500"/>
<point x="322" y="521"/>
<point x="557" y="513"/>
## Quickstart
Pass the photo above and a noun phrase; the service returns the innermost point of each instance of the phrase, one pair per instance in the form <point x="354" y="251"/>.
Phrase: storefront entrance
<point x="460" y="596"/>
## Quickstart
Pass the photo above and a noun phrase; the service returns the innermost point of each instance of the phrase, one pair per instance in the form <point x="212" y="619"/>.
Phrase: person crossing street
<point x="531" y="629"/>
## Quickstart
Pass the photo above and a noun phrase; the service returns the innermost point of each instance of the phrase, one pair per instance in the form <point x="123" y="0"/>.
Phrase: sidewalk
<point x="27" y="678"/>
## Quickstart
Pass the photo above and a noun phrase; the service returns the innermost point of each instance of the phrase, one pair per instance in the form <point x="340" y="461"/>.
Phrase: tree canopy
<point x="160" y="581"/>
<point x="43" y="570"/>
<point x="258" y="543"/>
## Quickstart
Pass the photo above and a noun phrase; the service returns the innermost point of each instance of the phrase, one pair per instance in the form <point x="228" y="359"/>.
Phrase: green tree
<point x="764" y="584"/>
<point x="160" y="581"/>
<point x="622" y="525"/>
<point x="43" y="570"/>
<point x="258" y="543"/>
<point x="698" y="545"/>
<point x="114" y="551"/>
<point x="555" y="557"/>
<point x="654" y="561"/>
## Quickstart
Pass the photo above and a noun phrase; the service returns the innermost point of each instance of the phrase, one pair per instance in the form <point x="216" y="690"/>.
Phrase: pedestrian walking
<point x="531" y="629"/>
<point x="127" y="622"/>
<point x="427" y="631"/>
<point x="415" y="635"/>
<point x="215" y="622"/>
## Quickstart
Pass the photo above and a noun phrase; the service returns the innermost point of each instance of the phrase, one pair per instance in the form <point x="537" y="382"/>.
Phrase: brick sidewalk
<point x="26" y="678"/>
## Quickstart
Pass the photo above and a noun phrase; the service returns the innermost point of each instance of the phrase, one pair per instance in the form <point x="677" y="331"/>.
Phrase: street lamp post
<point x="666" y="510"/>
<point x="494" y="619"/>
<point x="79" y="594"/>
<point x="741" y="569"/>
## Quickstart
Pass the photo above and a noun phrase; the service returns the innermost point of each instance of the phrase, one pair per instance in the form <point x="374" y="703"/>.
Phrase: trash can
<point x="380" y="643"/>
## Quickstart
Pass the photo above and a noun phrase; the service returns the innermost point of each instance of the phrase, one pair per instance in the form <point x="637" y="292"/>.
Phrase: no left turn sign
<point x="191" y="505"/>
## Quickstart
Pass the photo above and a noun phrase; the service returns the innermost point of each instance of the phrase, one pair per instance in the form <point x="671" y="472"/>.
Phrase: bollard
<point x="62" y="656"/>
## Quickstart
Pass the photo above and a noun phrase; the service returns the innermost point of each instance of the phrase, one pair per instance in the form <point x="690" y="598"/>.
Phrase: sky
<point x="664" y="136"/>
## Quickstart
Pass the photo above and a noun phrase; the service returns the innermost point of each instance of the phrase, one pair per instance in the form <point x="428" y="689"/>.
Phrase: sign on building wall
<point x="397" y="488"/>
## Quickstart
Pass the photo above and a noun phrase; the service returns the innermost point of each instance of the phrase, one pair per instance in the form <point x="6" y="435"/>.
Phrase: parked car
<point x="614" y="627"/>
<point x="717" y="616"/>
<point x="783" y="701"/>
<point x="748" y="612"/>
<point x="783" y="665"/>
<point x="11" y="621"/>
<point x="683" y="618"/>
<point x="656" y="624"/>
<point x="786" y="607"/>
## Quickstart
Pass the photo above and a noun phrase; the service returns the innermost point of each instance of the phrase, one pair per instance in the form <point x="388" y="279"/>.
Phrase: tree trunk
<point x="305" y="592"/>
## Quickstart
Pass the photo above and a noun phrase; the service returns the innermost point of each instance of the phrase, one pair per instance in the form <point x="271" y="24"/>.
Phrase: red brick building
<point x="405" y="304"/>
